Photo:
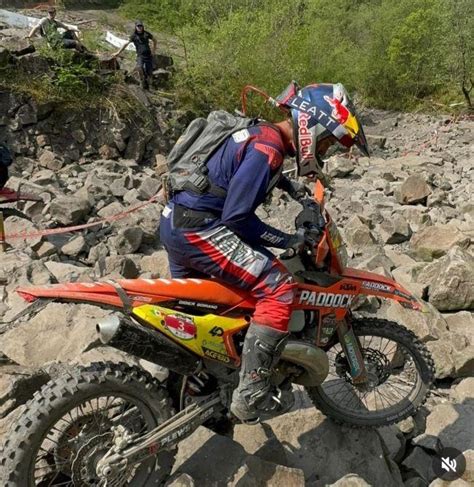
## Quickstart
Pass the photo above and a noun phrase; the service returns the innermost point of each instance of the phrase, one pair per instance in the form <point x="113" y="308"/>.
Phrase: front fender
<point x="377" y="285"/>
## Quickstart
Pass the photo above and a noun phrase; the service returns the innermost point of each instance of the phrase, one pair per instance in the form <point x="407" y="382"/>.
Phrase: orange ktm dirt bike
<point x="115" y="425"/>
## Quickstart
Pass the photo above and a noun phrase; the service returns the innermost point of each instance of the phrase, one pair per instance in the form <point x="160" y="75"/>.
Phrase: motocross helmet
<point x="319" y="111"/>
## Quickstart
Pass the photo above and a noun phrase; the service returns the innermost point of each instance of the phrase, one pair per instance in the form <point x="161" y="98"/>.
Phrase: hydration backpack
<point x="187" y="161"/>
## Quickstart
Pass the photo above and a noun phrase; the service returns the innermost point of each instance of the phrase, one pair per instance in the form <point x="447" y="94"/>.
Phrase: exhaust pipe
<point x="146" y="343"/>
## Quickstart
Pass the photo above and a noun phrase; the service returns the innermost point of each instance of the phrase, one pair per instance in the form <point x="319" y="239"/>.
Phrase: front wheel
<point x="400" y="374"/>
<point x="67" y="428"/>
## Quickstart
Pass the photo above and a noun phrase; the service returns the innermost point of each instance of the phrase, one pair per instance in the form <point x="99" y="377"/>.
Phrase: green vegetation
<point x="405" y="54"/>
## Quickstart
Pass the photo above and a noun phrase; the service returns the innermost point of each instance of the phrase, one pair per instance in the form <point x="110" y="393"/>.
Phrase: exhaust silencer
<point x="140" y="341"/>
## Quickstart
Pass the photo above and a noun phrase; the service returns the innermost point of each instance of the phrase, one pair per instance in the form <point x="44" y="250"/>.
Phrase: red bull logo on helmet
<point x="339" y="111"/>
<point x="305" y="136"/>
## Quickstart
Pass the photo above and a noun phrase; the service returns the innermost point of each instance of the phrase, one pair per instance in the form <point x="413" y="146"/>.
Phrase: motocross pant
<point x="145" y="69"/>
<point x="214" y="250"/>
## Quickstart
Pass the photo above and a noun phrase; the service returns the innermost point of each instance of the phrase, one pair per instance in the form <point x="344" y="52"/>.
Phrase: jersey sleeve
<point x="247" y="190"/>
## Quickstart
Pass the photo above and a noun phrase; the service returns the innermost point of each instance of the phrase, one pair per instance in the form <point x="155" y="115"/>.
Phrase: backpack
<point x="188" y="158"/>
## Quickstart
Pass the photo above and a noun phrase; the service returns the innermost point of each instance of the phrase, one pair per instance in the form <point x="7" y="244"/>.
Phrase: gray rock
<point x="150" y="187"/>
<point x="63" y="272"/>
<point x="442" y="353"/>
<point x="419" y="462"/>
<point x="128" y="240"/>
<point x="413" y="190"/>
<point x="183" y="480"/>
<point x="464" y="391"/>
<point x="156" y="264"/>
<point x="340" y="167"/>
<point x="61" y="333"/>
<point x="69" y="210"/>
<point x="452" y="424"/>
<point x="17" y="385"/>
<point x="49" y="160"/>
<point x="462" y="323"/>
<point x="453" y="288"/>
<point x="117" y="266"/>
<point x="435" y="241"/>
<point x="254" y="472"/>
<point x="75" y="247"/>
<point x="427" y="326"/>
<point x="351" y="480"/>
<point x="307" y="440"/>
<point x="394" y="230"/>
<point x="358" y="235"/>
<point x="464" y="362"/>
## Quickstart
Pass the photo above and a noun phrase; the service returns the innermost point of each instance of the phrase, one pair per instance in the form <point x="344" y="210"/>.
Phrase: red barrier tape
<point x="75" y="228"/>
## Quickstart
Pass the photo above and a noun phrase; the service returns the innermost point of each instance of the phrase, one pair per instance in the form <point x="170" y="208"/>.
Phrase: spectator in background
<point x="141" y="40"/>
<point x="49" y="29"/>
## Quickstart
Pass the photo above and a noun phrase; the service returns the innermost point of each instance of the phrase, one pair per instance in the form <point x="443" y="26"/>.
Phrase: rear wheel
<point x="66" y="428"/>
<point x="400" y="370"/>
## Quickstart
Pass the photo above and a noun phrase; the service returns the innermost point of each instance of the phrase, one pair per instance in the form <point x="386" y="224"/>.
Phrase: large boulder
<point x="427" y="325"/>
<point x="452" y="424"/>
<point x="305" y="439"/>
<point x="435" y="241"/>
<point x="69" y="210"/>
<point x="413" y="190"/>
<point x="453" y="287"/>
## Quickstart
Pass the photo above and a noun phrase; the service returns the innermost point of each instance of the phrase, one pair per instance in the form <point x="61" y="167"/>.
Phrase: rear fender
<point x="377" y="285"/>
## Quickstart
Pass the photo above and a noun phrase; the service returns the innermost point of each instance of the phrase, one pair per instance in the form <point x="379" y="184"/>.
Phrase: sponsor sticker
<point x="215" y="355"/>
<point x="326" y="300"/>
<point x="377" y="286"/>
<point x="181" y="327"/>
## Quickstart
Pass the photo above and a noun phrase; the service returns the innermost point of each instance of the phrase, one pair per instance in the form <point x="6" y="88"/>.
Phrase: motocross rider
<point x="205" y="235"/>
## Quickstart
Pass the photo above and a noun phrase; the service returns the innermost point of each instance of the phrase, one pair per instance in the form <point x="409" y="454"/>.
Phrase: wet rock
<point x="413" y="190"/>
<point x="435" y="241"/>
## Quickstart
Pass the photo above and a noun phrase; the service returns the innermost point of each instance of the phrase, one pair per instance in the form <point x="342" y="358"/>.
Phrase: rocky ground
<point x="407" y="211"/>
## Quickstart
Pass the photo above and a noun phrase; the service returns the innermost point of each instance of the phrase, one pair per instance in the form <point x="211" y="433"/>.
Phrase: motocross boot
<point x="255" y="395"/>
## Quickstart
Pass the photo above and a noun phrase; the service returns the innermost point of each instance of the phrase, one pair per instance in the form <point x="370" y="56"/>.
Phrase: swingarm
<point x="130" y="450"/>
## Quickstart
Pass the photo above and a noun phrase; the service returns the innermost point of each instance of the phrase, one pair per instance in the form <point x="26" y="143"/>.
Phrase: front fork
<point x="353" y="352"/>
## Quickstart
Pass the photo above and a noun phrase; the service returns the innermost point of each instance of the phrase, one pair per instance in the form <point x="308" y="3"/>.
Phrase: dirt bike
<point x="115" y="424"/>
<point x="9" y="196"/>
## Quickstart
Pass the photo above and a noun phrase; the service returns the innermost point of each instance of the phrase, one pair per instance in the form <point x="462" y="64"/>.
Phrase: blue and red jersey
<point x="247" y="165"/>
